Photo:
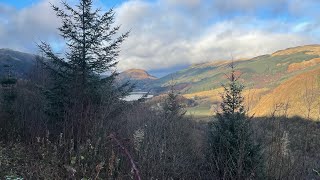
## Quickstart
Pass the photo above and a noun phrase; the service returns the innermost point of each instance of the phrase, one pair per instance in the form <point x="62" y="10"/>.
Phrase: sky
<point x="170" y="34"/>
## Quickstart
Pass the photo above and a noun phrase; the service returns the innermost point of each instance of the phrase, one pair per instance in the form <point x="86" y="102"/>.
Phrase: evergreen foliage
<point x="77" y="85"/>
<point x="9" y="128"/>
<point x="233" y="153"/>
<point x="172" y="107"/>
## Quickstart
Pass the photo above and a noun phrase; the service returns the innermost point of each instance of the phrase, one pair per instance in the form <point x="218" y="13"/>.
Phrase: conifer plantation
<point x="68" y="118"/>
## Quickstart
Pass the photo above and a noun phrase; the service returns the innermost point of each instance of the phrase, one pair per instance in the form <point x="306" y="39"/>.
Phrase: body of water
<point x="136" y="95"/>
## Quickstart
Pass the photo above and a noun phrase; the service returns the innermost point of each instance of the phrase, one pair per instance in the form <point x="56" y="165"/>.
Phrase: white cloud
<point x="162" y="38"/>
<point x="243" y="44"/>
<point x="165" y="33"/>
<point x="23" y="28"/>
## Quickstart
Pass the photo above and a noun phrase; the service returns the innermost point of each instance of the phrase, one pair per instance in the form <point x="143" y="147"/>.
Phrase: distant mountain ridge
<point x="264" y="69"/>
<point x="20" y="62"/>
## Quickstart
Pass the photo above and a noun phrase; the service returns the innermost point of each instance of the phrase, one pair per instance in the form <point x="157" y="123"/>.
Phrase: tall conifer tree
<point x="92" y="48"/>
<point x="232" y="151"/>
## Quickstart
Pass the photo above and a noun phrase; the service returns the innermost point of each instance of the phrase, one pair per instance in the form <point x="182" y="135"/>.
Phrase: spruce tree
<point x="92" y="47"/>
<point x="233" y="154"/>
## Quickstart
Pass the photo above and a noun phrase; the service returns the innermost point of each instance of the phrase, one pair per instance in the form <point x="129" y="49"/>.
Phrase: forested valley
<point x="66" y="118"/>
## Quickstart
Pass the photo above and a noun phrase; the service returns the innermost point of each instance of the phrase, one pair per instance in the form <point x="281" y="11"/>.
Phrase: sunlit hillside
<point x="284" y="77"/>
<point x="298" y="96"/>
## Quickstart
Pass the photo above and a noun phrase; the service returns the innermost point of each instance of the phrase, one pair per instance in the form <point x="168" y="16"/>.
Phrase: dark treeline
<point x="64" y="121"/>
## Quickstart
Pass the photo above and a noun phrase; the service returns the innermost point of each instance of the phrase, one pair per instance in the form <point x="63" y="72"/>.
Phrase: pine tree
<point x="233" y="153"/>
<point x="92" y="48"/>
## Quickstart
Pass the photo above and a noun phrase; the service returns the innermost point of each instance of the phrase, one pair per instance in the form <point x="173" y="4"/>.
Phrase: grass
<point x="199" y="111"/>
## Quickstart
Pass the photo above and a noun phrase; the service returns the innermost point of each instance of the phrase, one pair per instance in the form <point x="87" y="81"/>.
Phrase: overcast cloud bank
<point x="166" y="33"/>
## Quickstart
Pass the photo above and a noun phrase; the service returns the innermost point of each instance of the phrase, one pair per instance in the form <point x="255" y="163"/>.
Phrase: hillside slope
<point x="140" y="78"/>
<point x="298" y="96"/>
<point x="135" y="74"/>
<point x="263" y="71"/>
<point x="20" y="63"/>
<point x="280" y="76"/>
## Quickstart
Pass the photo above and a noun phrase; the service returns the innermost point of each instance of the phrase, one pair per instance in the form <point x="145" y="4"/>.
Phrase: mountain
<point x="139" y="77"/>
<point x="17" y="62"/>
<point x="135" y="74"/>
<point x="262" y="71"/>
<point x="286" y="82"/>
<point x="271" y="80"/>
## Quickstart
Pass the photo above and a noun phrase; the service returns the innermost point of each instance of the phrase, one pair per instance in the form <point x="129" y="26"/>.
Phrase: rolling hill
<point x="271" y="81"/>
<point x="135" y="74"/>
<point x="140" y="78"/>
